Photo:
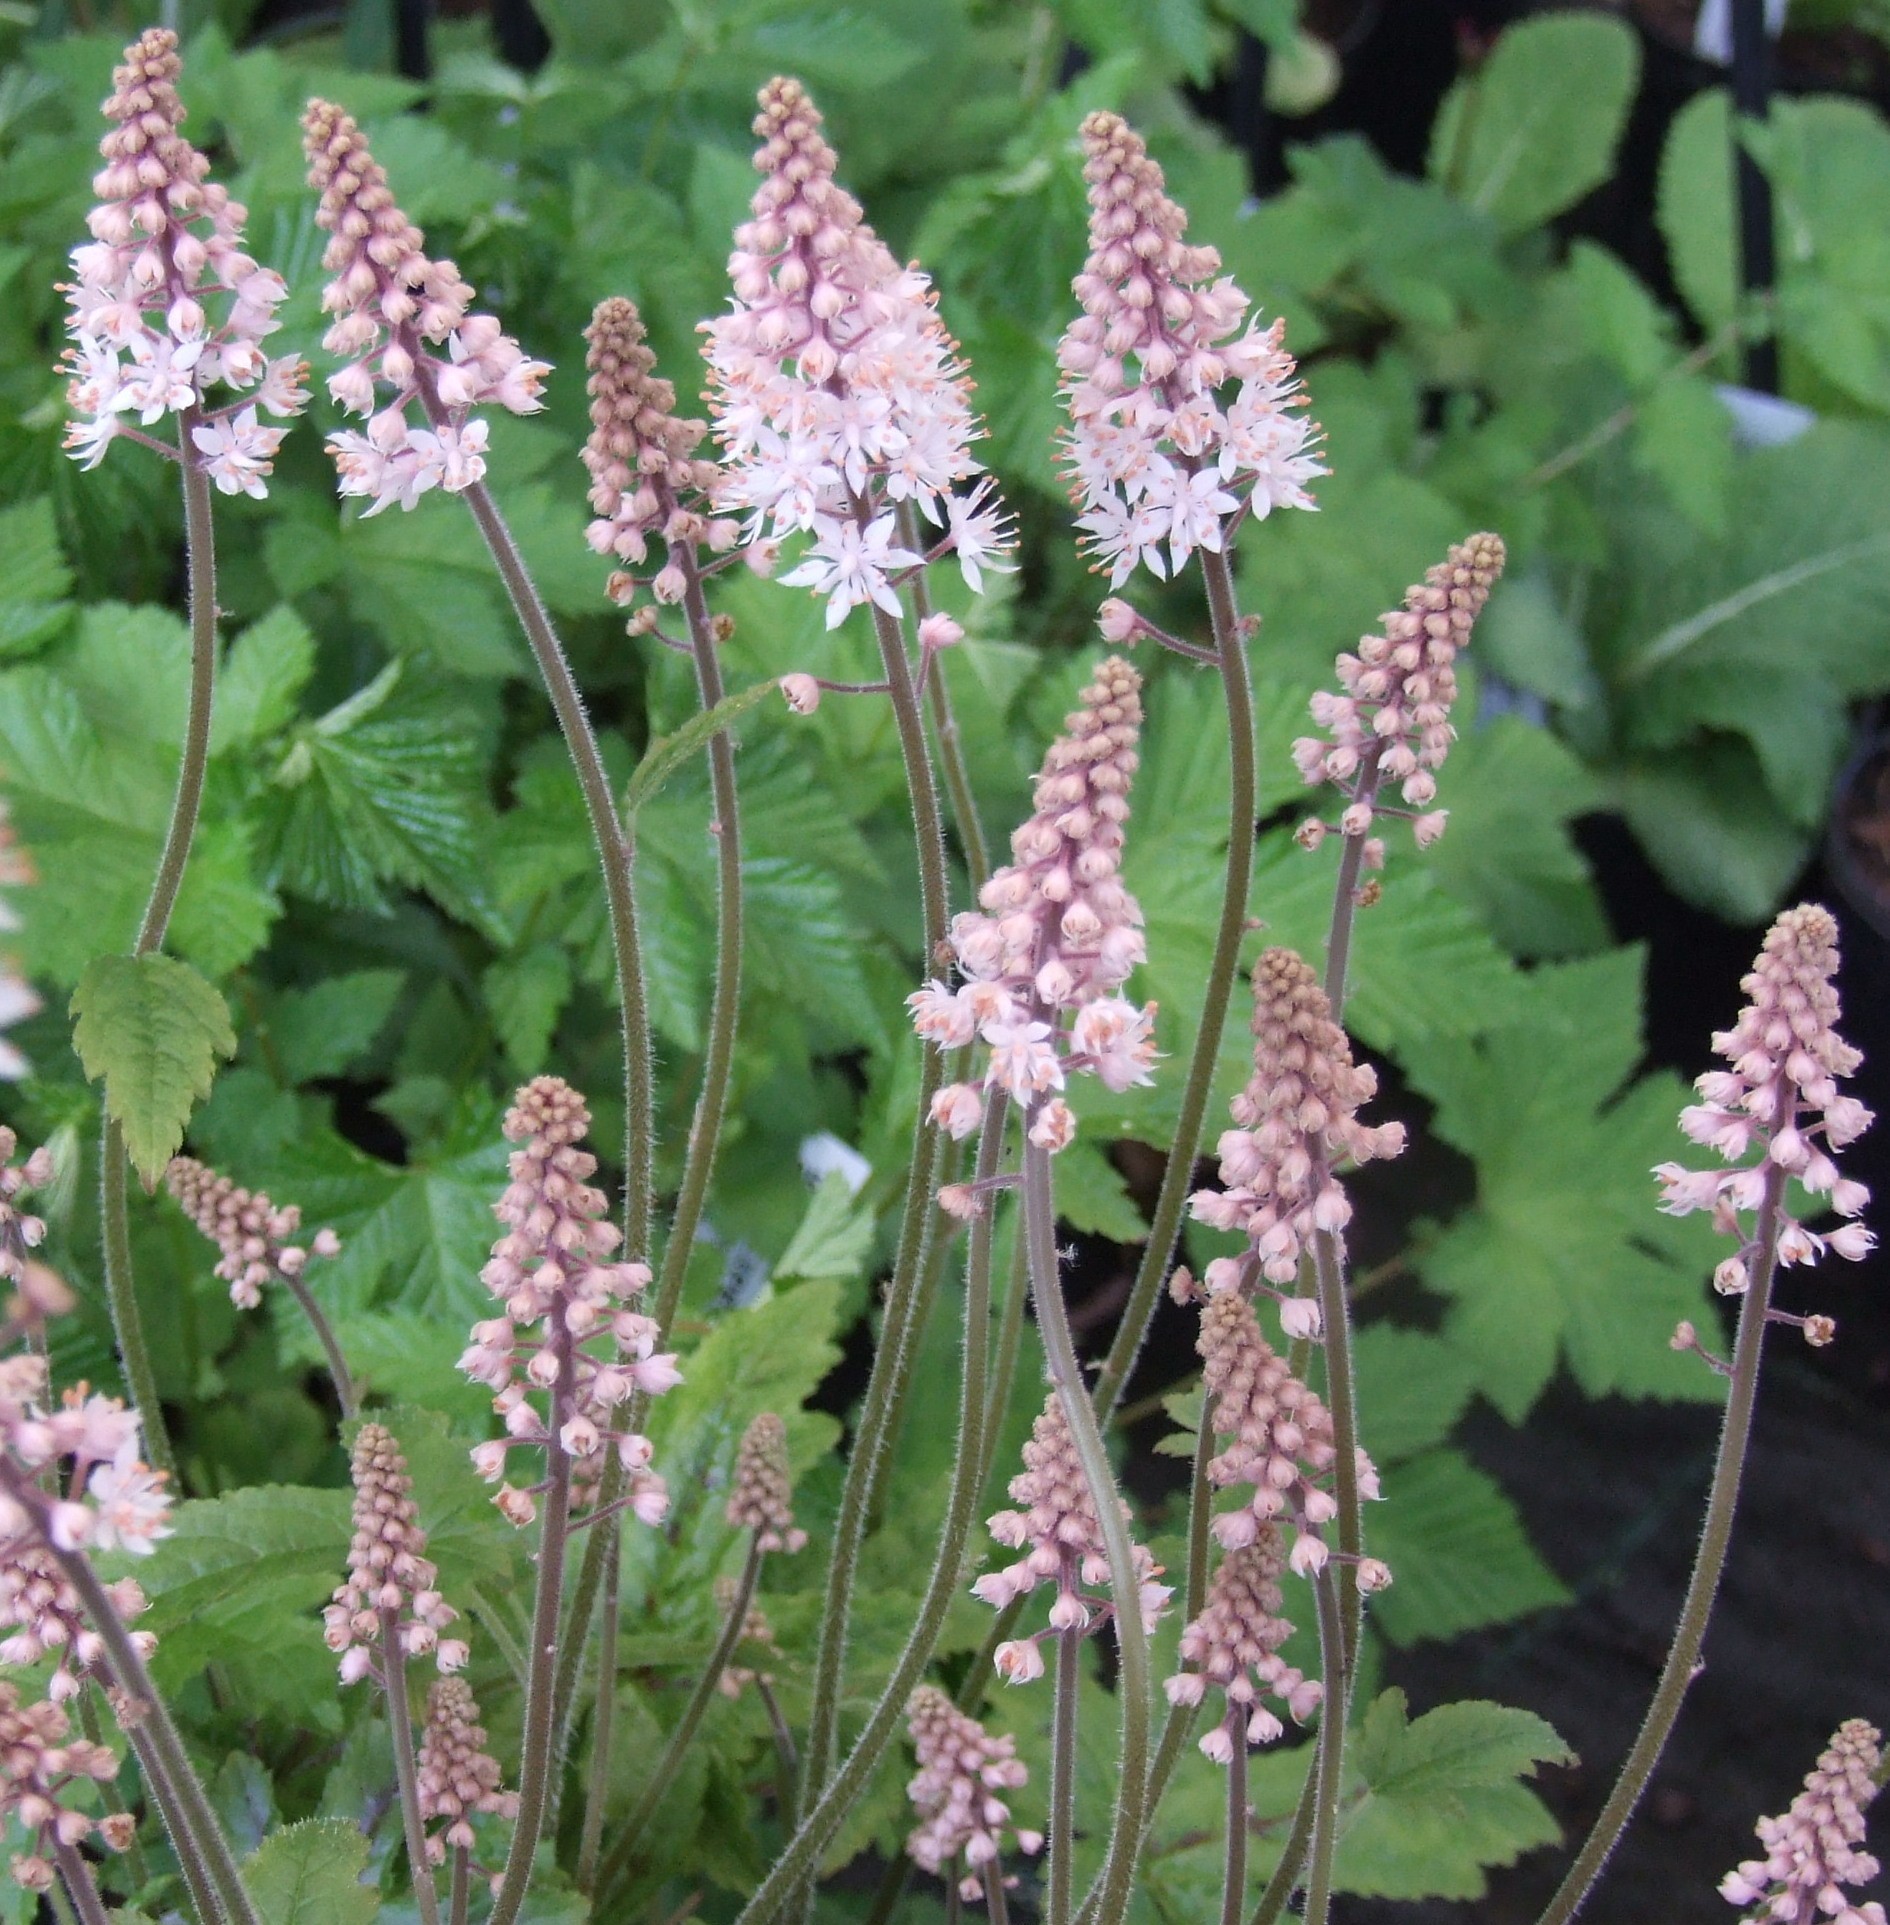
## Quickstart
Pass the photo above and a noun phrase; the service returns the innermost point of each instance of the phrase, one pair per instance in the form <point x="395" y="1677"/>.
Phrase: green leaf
<point x="1512" y="791"/>
<point x="835" y="1237"/>
<point x="152" y="1028"/>
<point x="1412" y="1388"/>
<point x="1441" y="1800"/>
<point x="669" y="752"/>
<point x="1704" y="816"/>
<point x="319" y="1031"/>
<point x="1536" y="127"/>
<point x="264" y="671"/>
<point x="1093" y="1196"/>
<point x="1694" y="206"/>
<point x="1564" y="1253"/>
<point x="310" y="1874"/>
<point x="1458" y="1552"/>
<point x="525" y="995"/>
<point x="33" y="605"/>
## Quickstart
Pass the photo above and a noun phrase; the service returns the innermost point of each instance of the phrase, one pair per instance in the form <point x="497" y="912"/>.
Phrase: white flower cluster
<point x="838" y="395"/>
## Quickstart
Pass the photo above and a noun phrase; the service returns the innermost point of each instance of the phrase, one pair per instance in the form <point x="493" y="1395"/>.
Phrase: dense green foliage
<point x="392" y="913"/>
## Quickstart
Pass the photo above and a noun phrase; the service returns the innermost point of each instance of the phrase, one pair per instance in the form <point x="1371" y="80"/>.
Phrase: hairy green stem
<point x="1180" y="1719"/>
<point x="824" y="1814"/>
<point x="1329" y="1771"/>
<point x="1063" y="1777"/>
<point x="79" y="1884"/>
<point x="536" y="1751"/>
<point x="1281" y="1885"/>
<point x="951" y="748"/>
<point x="1132" y="1682"/>
<point x="603" y="1720"/>
<point x="622" y="1854"/>
<point x="705" y="1137"/>
<point x="209" y="1865"/>
<point x="187" y="801"/>
<point x="109" y="1795"/>
<point x="1696" y="1611"/>
<point x="1234" y="1886"/>
<point x="122" y="1295"/>
<point x="787" y="1763"/>
<point x="905" y="1306"/>
<point x="325" y="1334"/>
<point x="1341" y="1403"/>
<point x="400" y="1728"/>
<point x="1010" y="1343"/>
<point x="613" y="856"/>
<point x="1164" y="1228"/>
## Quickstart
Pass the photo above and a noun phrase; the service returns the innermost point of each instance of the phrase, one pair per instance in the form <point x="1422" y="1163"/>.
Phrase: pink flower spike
<point x="962" y="1768"/>
<point x="1813" y="1850"/>
<point x="166" y="239"/>
<point x="394" y="311"/>
<point x="1159" y="452"/>
<point x="1768" y="1112"/>
<point x="835" y="388"/>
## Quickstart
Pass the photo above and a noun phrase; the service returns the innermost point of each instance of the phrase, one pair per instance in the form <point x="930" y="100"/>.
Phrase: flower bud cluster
<point x="1055" y="936"/>
<point x="394" y="310"/>
<point x="962" y="1768"/>
<point x="647" y="483"/>
<point x="391" y="1590"/>
<point x="41" y="1610"/>
<point x="17" y="998"/>
<point x="1235" y="1644"/>
<point x="1058" y="1523"/>
<point x="1281" y="1436"/>
<point x="1392" y="724"/>
<point x="837" y="393"/>
<point x="1156" y="454"/>
<point x="458" y="1779"/>
<point x="247" y="1228"/>
<point x="566" y="1332"/>
<point x="1778" y="1110"/>
<point x="1298" y="1119"/>
<point x="1812" y="1852"/>
<point x="37" y="1292"/>
<point x="762" y="1499"/>
<point x="166" y="240"/>
<point x="86" y="1452"/>
<point x="757" y="1629"/>
<point x="40" y="1764"/>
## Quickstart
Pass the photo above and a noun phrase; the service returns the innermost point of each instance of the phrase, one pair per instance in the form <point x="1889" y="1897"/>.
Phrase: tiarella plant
<point x="853" y="1082"/>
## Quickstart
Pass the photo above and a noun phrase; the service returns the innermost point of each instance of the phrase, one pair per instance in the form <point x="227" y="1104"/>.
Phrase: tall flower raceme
<point x="1297" y="1121"/>
<point x="166" y="307"/>
<point x="962" y="1769"/>
<point x="838" y="395"/>
<point x="1057" y="1527"/>
<point x="17" y="997"/>
<point x="1185" y="413"/>
<point x="459" y="1780"/>
<point x="42" y="1762"/>
<point x="1056" y="935"/>
<point x="1280" y="1439"/>
<point x="252" y="1235"/>
<point x="391" y="1590"/>
<point x="1778" y="1109"/>
<point x="403" y="325"/>
<point x="648" y="484"/>
<point x="563" y="1298"/>
<point x="762" y="1496"/>
<point x="1813" y="1852"/>
<point x="1392" y="723"/>
<point x="1234" y="1645"/>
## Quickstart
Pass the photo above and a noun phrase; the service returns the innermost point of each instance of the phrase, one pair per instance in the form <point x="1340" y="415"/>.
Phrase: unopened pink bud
<point x="801" y="693"/>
